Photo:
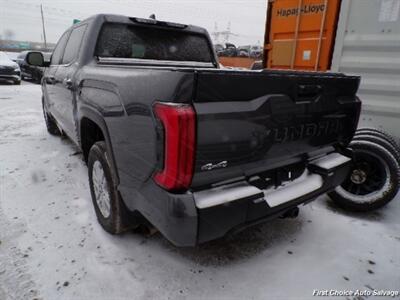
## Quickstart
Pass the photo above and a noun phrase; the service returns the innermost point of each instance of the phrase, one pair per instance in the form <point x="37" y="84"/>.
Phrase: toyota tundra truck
<point x="174" y="140"/>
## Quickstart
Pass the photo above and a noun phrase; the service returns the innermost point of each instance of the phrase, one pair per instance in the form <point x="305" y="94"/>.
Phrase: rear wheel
<point x="109" y="207"/>
<point x="51" y="124"/>
<point x="373" y="180"/>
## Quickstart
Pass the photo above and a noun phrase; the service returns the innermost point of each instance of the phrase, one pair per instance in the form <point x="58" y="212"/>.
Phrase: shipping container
<point x="368" y="44"/>
<point x="300" y="34"/>
<point x="356" y="37"/>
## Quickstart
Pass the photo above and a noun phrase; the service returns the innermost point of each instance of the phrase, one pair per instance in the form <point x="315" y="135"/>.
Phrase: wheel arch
<point x="92" y="128"/>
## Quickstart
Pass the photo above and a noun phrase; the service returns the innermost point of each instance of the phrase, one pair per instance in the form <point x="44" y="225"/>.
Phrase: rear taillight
<point x="178" y="122"/>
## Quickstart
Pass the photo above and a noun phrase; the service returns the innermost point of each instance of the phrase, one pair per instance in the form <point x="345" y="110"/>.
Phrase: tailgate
<point x="251" y="121"/>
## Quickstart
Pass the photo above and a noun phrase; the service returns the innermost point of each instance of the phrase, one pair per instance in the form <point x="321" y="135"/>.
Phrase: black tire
<point x="380" y="141"/>
<point x="17" y="82"/>
<point x="382" y="174"/>
<point x="51" y="124"/>
<point x="380" y="133"/>
<point x="117" y="220"/>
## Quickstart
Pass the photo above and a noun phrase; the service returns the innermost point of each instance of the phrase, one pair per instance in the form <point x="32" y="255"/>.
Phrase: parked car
<point x="31" y="72"/>
<point x="229" y="50"/>
<point x="9" y="70"/>
<point x="218" y="48"/>
<point x="255" y="51"/>
<point x="243" y="51"/>
<point x="173" y="140"/>
<point x="12" y="55"/>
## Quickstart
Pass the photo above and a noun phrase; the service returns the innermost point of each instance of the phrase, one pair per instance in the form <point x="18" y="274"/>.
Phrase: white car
<point x="9" y="70"/>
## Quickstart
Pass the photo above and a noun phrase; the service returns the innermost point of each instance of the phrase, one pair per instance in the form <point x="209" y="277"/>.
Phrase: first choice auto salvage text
<point x="342" y="293"/>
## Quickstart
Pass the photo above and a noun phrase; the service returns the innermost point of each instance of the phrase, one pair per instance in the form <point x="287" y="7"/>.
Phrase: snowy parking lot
<point x="51" y="246"/>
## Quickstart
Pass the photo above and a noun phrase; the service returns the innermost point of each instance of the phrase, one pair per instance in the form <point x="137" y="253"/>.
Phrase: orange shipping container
<point x="300" y="34"/>
<point x="237" y="62"/>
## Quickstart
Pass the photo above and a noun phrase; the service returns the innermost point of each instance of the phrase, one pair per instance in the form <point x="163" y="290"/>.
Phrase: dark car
<point x="9" y="70"/>
<point x="218" y="48"/>
<point x="31" y="72"/>
<point x="230" y="50"/>
<point x="173" y="140"/>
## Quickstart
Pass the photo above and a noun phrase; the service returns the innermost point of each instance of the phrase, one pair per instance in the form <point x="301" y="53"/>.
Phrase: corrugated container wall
<point x="300" y="34"/>
<point x="368" y="44"/>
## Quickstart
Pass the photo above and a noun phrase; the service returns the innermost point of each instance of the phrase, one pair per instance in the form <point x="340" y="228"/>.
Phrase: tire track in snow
<point x="15" y="281"/>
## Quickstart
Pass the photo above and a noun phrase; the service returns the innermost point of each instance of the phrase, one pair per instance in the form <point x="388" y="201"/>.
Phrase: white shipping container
<point x="368" y="44"/>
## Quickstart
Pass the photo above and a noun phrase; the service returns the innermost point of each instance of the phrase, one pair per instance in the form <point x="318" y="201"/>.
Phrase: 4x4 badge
<point x="210" y="166"/>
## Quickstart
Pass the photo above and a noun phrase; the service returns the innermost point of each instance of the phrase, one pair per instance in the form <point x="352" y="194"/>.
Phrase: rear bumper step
<point x="240" y="205"/>
<point x="316" y="175"/>
<point x="303" y="185"/>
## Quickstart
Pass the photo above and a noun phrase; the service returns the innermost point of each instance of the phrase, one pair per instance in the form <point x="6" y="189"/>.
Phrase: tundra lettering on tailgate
<point x="302" y="131"/>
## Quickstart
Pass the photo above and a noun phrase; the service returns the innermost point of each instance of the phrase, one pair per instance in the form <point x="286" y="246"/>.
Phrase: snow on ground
<point x="51" y="246"/>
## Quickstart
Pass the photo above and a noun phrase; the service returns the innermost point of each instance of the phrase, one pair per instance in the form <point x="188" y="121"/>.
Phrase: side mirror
<point x="35" y="59"/>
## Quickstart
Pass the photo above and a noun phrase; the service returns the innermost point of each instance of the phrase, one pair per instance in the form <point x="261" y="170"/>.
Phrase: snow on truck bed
<point x="51" y="246"/>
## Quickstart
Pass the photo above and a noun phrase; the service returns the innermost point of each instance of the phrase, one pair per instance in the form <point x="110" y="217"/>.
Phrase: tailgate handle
<point x="307" y="92"/>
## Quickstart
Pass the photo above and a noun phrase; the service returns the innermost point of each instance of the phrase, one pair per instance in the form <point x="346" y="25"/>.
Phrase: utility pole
<point x="223" y="34"/>
<point x="215" y="33"/>
<point x="44" y="30"/>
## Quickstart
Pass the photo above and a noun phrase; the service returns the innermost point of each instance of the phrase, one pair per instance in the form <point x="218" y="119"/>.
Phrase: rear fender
<point x="96" y="117"/>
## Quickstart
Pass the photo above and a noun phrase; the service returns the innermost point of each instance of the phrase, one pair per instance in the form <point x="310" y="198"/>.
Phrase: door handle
<point x="50" y="79"/>
<point x="68" y="83"/>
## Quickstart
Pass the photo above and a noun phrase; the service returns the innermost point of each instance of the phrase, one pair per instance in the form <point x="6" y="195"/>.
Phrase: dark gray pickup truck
<point x="172" y="139"/>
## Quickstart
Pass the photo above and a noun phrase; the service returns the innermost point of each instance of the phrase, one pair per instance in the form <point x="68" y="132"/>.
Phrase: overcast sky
<point x="246" y="17"/>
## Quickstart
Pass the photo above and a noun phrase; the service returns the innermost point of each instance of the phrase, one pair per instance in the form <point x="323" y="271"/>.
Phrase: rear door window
<point x="73" y="45"/>
<point x="59" y="50"/>
<point x="129" y="41"/>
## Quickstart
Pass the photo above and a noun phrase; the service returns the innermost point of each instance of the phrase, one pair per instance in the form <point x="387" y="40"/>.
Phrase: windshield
<point x="127" y="41"/>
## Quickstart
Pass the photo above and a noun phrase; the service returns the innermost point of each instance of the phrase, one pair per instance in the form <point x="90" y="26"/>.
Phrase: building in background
<point x="18" y="46"/>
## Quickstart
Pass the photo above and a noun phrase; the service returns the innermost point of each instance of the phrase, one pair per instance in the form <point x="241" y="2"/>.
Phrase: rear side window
<point x="74" y="44"/>
<point x="128" y="41"/>
<point x="58" y="51"/>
